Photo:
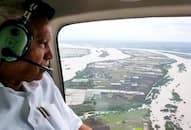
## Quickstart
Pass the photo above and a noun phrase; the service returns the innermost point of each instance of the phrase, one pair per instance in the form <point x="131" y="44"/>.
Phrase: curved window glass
<point x="130" y="74"/>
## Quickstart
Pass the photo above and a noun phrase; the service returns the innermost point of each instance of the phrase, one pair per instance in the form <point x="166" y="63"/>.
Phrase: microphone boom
<point x="8" y="52"/>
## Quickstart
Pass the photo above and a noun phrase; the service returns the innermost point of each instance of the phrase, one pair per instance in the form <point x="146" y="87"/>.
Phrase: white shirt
<point x="19" y="110"/>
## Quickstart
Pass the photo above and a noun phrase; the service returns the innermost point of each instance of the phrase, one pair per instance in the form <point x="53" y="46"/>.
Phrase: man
<point x="29" y="99"/>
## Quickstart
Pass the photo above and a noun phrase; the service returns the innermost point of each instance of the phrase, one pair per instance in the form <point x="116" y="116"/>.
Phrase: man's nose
<point x="49" y="53"/>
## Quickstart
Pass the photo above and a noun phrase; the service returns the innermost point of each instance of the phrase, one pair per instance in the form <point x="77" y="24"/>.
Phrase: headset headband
<point x="38" y="8"/>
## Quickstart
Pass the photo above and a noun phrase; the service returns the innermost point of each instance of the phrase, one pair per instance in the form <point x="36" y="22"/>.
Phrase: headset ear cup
<point x="14" y="36"/>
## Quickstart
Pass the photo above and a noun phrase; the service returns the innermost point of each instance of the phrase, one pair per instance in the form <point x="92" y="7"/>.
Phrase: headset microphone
<point x="8" y="53"/>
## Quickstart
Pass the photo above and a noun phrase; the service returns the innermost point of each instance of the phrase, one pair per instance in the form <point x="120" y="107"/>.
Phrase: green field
<point x="126" y="120"/>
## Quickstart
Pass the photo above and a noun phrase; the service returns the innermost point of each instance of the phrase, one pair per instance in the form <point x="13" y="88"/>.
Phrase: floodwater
<point x="180" y="84"/>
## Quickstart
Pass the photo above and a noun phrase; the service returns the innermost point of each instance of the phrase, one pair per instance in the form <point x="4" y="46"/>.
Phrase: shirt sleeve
<point x="74" y="120"/>
<point x="66" y="112"/>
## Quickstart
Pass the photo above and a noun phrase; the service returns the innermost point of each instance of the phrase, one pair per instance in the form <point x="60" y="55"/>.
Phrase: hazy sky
<point x="147" y="29"/>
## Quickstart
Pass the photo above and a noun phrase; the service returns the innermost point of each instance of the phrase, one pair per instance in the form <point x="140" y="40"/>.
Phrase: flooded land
<point x="129" y="89"/>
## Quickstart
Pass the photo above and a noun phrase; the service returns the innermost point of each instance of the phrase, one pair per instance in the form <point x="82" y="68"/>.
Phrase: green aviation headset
<point x="15" y="36"/>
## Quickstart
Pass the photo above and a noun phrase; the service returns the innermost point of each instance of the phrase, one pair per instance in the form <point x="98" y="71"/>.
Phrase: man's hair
<point x="42" y="10"/>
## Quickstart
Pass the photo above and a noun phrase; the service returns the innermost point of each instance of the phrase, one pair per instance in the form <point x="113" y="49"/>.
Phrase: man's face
<point x="39" y="52"/>
<point x="40" y="49"/>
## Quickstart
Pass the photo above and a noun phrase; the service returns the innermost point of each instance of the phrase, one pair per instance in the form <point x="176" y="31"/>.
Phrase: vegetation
<point x="157" y="127"/>
<point x="162" y="81"/>
<point x="104" y="105"/>
<point x="104" y="54"/>
<point x="81" y="109"/>
<point x="182" y="67"/>
<point x="176" y="97"/>
<point x="126" y="120"/>
<point x="172" y="108"/>
<point x="169" y="125"/>
<point x="167" y="118"/>
<point x="164" y="68"/>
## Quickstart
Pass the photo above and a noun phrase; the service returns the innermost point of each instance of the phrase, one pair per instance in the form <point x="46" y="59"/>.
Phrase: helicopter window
<point x="130" y="73"/>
